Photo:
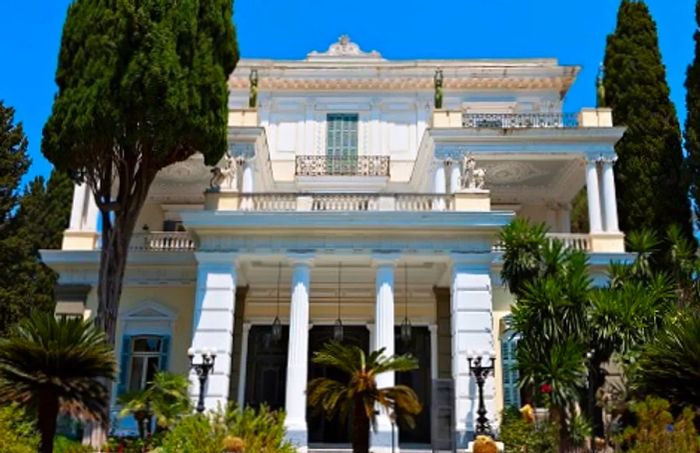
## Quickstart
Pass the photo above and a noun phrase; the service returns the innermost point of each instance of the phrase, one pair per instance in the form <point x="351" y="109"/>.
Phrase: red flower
<point x="546" y="388"/>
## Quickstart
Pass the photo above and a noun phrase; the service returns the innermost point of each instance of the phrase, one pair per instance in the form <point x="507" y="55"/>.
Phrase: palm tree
<point x="51" y="364"/>
<point x="165" y="398"/>
<point x="669" y="366"/>
<point x="359" y="394"/>
<point x="522" y="257"/>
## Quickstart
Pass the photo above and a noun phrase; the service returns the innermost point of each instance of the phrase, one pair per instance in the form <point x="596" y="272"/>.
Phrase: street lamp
<point x="202" y="369"/>
<point x="480" y="373"/>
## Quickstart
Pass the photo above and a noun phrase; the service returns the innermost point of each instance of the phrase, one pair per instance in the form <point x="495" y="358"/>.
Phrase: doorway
<point x="266" y="368"/>
<point x="322" y="430"/>
<point x="419" y="380"/>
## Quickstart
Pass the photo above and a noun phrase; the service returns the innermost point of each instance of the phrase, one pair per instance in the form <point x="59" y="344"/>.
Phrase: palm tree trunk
<point x="360" y="428"/>
<point x="46" y="421"/>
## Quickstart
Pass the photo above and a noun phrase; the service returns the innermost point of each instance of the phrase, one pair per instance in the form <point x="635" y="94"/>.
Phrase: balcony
<point x="162" y="241"/>
<point x="321" y="165"/>
<point x="575" y="241"/>
<point x="519" y="120"/>
<point x="345" y="202"/>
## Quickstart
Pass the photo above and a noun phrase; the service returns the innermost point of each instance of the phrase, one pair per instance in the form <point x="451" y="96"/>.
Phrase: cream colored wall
<point x="180" y="300"/>
<point x="502" y="301"/>
<point x="539" y="213"/>
<point x="151" y="215"/>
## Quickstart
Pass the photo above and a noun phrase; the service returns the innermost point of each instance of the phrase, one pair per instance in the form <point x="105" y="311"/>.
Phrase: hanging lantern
<point x="277" y="324"/>
<point x="338" y="326"/>
<point x="406" y="328"/>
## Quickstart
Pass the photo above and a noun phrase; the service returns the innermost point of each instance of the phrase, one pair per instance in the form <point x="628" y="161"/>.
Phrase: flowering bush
<point x="520" y="433"/>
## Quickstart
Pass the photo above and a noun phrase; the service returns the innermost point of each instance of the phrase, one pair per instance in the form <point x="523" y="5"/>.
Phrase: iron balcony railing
<point x="321" y="165"/>
<point x="519" y="120"/>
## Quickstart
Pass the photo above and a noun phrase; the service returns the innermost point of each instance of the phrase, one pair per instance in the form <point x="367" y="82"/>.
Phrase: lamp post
<point x="202" y="369"/>
<point x="480" y="373"/>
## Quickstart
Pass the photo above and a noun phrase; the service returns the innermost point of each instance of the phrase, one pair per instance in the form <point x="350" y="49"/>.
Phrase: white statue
<point x="226" y="178"/>
<point x="472" y="178"/>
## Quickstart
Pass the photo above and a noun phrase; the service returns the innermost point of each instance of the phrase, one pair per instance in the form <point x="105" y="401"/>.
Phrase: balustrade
<point x="519" y="120"/>
<point x="162" y="241"/>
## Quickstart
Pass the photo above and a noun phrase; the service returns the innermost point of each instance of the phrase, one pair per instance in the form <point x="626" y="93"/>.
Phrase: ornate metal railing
<point x="321" y="165"/>
<point x="519" y="120"/>
<point x="162" y="241"/>
<point x="574" y="241"/>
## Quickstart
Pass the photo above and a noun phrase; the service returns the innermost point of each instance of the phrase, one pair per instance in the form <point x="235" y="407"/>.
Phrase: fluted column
<point x="593" y="195"/>
<point x="610" y="196"/>
<point x="298" y="355"/>
<point x="212" y="324"/>
<point x="439" y="185"/>
<point x="384" y="338"/>
<point x="455" y="177"/>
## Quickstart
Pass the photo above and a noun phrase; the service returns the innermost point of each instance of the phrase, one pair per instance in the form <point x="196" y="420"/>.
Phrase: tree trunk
<point x="46" y="421"/>
<point x="360" y="428"/>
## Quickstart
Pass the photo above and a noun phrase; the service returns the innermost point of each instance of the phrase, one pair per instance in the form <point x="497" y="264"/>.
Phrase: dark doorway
<point x="266" y="370"/>
<point x="419" y="380"/>
<point x="321" y="429"/>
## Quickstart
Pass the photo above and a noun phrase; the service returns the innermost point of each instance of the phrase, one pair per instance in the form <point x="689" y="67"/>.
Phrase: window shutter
<point x="511" y="390"/>
<point x="164" y="352"/>
<point x="124" y="365"/>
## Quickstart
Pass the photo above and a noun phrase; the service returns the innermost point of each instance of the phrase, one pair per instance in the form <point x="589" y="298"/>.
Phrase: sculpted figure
<point x="225" y="178"/>
<point x="472" y="178"/>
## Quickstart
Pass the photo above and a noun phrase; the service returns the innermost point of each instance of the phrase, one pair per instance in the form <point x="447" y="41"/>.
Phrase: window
<point x="142" y="357"/>
<point x="341" y="142"/>
<point x="509" y="364"/>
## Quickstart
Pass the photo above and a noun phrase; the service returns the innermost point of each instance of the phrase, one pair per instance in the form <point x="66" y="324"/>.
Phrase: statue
<point x="253" y="95"/>
<point x="437" y="79"/>
<point x="225" y="178"/>
<point x="599" y="87"/>
<point x="472" y="178"/>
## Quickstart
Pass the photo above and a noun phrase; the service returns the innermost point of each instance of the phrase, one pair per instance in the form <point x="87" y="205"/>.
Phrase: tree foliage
<point x="692" y="121"/>
<point x="650" y="156"/>
<point x="141" y="85"/>
<point x="31" y="219"/>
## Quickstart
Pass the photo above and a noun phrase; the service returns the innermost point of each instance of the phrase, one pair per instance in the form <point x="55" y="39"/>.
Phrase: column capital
<point x="385" y="259"/>
<point x="301" y="258"/>
<point x="220" y="258"/>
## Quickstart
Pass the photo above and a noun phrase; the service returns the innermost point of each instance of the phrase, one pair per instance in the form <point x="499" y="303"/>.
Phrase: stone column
<point x="455" y="176"/>
<point x="439" y="185"/>
<point x="247" y="185"/>
<point x="610" y="196"/>
<point x="212" y="325"/>
<point x="244" y="364"/>
<point x="78" y="207"/>
<point x="384" y="338"/>
<point x="298" y="355"/>
<point x="593" y="195"/>
<point x="471" y="326"/>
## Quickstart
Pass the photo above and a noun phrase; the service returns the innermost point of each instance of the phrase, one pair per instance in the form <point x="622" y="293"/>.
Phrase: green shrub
<point x="520" y="436"/>
<point x="262" y="431"/>
<point x="63" y="444"/>
<point x="17" y="433"/>
<point x="656" y="430"/>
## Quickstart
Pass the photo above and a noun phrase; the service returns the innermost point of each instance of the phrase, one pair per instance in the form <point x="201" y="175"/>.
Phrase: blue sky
<point x="572" y="31"/>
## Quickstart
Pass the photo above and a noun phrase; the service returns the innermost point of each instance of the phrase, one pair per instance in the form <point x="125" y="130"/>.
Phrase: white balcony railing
<point x="574" y="241"/>
<point x="162" y="241"/>
<point x="281" y="202"/>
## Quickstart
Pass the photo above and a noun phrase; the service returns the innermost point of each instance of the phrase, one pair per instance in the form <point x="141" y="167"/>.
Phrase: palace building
<point x="359" y="198"/>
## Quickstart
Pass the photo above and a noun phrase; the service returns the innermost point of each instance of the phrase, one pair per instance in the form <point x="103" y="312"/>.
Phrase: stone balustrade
<point x="586" y="118"/>
<point x="575" y="241"/>
<point x="162" y="241"/>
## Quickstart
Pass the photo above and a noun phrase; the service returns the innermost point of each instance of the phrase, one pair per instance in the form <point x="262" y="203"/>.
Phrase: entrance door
<point x="321" y="429"/>
<point x="419" y="380"/>
<point x="266" y="370"/>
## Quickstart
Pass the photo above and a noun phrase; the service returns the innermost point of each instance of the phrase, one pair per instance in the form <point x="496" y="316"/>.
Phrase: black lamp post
<point x="202" y="369"/>
<point x="480" y="373"/>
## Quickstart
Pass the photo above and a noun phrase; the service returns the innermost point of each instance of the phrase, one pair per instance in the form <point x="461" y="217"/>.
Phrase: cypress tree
<point x="142" y="84"/>
<point x="692" y="122"/>
<point x="652" y="187"/>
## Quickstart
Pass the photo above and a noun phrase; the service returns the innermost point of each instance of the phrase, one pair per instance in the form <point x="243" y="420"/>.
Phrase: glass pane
<point x="146" y="344"/>
<point x="152" y="367"/>
<point x="136" y="374"/>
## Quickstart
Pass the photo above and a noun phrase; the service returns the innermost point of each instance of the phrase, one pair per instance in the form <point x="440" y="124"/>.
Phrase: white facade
<point x="350" y="183"/>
